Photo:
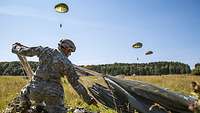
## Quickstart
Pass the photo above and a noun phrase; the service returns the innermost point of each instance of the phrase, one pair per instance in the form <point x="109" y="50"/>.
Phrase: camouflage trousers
<point x="48" y="94"/>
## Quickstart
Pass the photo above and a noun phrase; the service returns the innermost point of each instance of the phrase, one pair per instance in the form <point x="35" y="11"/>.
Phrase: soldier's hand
<point x="93" y="102"/>
<point x="16" y="47"/>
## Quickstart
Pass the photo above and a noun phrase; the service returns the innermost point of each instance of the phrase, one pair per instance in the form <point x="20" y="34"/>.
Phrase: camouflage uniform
<point x="45" y="86"/>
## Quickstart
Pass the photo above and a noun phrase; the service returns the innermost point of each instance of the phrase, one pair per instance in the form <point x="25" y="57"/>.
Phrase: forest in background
<point x="154" y="68"/>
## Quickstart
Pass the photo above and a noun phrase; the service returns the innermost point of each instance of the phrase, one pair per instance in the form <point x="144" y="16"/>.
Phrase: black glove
<point x="93" y="102"/>
<point x="16" y="47"/>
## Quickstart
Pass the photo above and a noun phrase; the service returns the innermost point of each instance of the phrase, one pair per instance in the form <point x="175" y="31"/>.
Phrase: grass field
<point x="10" y="86"/>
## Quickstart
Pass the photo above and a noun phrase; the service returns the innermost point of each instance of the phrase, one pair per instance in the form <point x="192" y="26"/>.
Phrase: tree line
<point x="14" y="68"/>
<point x="153" y="68"/>
<point x="196" y="70"/>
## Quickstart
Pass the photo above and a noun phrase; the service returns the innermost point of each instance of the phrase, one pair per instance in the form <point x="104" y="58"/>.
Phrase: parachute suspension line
<point x="61" y="8"/>
<point x="25" y="65"/>
<point x="137" y="45"/>
<point x="113" y="97"/>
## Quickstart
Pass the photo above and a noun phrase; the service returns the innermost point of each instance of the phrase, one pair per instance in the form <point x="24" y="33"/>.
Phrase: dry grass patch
<point x="11" y="85"/>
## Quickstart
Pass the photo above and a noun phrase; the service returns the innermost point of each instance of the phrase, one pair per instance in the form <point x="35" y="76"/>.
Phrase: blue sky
<point x="104" y="30"/>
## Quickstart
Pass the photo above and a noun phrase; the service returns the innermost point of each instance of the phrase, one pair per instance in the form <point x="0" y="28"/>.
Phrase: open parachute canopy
<point x="61" y="8"/>
<point x="137" y="45"/>
<point x="149" y="53"/>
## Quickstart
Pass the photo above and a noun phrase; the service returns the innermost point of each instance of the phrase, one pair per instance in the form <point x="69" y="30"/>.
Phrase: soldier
<point x="195" y="87"/>
<point x="195" y="107"/>
<point x="45" y="86"/>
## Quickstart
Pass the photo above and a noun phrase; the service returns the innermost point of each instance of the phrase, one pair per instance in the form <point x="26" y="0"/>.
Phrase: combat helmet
<point x="66" y="43"/>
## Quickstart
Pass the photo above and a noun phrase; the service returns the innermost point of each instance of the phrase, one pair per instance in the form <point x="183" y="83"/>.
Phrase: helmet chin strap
<point x="68" y="54"/>
<point x="63" y="51"/>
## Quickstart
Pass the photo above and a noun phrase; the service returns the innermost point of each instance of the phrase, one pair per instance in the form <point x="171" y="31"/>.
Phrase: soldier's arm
<point x="77" y="86"/>
<point x="17" y="48"/>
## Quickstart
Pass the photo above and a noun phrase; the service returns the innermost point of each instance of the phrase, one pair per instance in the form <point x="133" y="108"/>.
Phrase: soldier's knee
<point x="56" y="109"/>
<point x="55" y="104"/>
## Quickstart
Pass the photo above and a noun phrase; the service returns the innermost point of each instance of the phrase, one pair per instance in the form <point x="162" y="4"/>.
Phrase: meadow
<point x="10" y="86"/>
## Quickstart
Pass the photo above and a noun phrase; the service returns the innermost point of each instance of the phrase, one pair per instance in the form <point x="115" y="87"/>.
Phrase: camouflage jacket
<point x="53" y="65"/>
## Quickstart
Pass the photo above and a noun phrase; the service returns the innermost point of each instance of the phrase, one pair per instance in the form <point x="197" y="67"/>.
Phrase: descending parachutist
<point x="149" y="53"/>
<point x="61" y="8"/>
<point x="137" y="45"/>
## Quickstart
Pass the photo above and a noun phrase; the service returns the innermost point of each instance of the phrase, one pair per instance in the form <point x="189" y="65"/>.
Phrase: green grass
<point x="11" y="85"/>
